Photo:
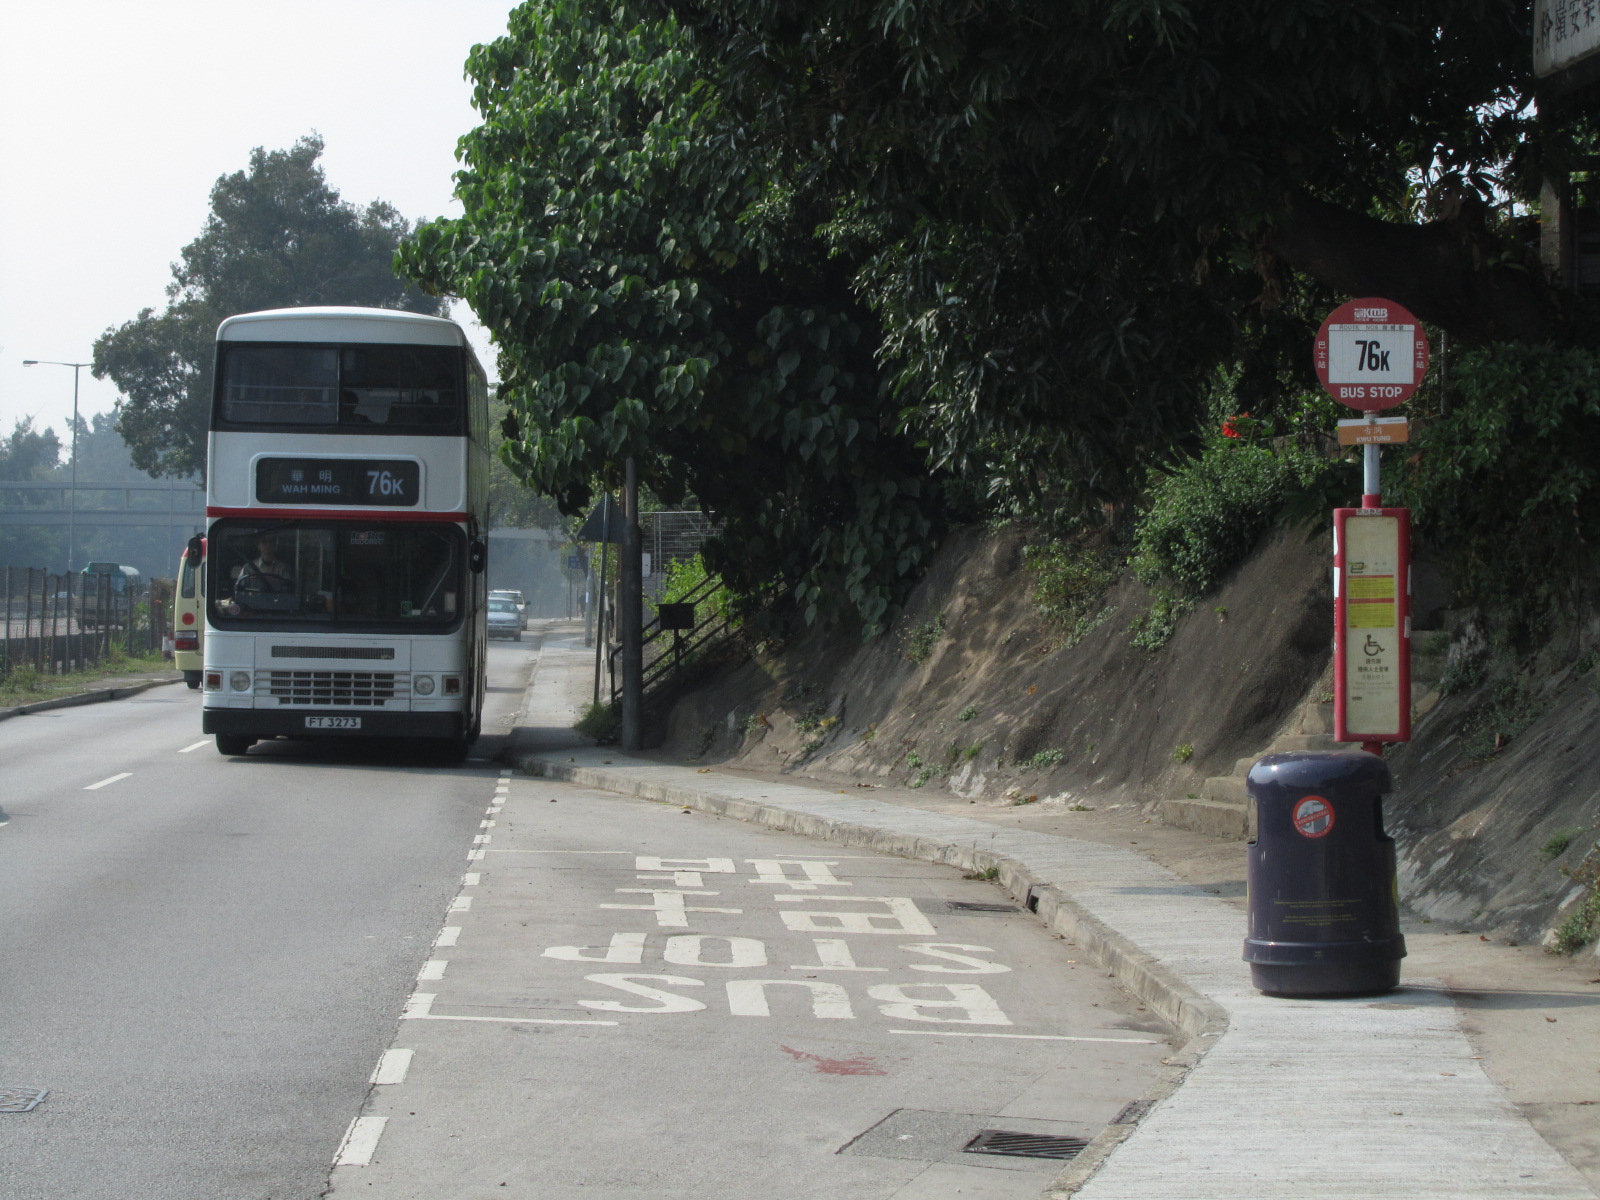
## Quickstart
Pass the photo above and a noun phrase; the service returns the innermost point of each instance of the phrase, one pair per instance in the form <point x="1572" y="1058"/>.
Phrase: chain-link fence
<point x="54" y="623"/>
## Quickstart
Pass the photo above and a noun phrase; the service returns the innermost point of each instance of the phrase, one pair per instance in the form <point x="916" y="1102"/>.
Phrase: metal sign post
<point x="1371" y="354"/>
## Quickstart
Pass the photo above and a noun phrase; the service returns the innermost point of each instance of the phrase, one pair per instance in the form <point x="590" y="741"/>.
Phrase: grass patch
<point x="1043" y="760"/>
<point x="1183" y="753"/>
<point x="601" y="721"/>
<point x="921" y="640"/>
<point x="24" y="684"/>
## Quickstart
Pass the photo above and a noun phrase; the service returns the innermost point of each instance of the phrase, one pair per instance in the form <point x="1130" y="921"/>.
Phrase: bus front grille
<point x="343" y="689"/>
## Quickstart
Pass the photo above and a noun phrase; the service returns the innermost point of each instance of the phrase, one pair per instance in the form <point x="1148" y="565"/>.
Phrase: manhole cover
<point x="21" y="1100"/>
<point x="979" y="906"/>
<point x="1024" y="1145"/>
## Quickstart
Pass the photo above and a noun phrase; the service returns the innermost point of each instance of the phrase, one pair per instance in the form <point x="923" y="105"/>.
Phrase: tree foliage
<point x="839" y="248"/>
<point x="278" y="236"/>
<point x="654" y="298"/>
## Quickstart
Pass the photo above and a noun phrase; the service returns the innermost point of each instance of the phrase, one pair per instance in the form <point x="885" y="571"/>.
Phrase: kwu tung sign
<point x="1566" y="33"/>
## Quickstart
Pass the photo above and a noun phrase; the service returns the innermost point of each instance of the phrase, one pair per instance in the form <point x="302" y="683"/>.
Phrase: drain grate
<point x="979" y="906"/>
<point x="1024" y="1145"/>
<point x="21" y="1100"/>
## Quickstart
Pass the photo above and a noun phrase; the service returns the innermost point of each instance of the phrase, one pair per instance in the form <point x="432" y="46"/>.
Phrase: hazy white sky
<point x="117" y="116"/>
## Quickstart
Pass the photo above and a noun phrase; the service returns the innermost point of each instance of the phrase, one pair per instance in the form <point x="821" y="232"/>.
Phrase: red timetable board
<point x="1372" y="624"/>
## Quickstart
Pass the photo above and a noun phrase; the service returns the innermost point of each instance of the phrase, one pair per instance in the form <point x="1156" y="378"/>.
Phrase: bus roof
<point x="362" y="325"/>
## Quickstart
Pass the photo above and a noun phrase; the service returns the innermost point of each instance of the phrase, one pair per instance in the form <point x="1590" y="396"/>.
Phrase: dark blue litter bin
<point x="1323" y="915"/>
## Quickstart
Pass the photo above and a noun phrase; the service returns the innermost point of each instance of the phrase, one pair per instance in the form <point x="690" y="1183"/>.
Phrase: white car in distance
<point x="504" y="620"/>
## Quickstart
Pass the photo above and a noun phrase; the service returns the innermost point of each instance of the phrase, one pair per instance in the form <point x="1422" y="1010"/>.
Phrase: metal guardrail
<point x="664" y="657"/>
<point x="53" y="623"/>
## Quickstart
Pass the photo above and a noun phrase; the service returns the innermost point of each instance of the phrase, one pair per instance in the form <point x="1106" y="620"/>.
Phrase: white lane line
<point x="474" y="855"/>
<point x="1033" y="1037"/>
<point x="471" y="879"/>
<point x="448" y="935"/>
<point x="392" y="1067"/>
<point x="360" y="1142"/>
<point x="196" y="746"/>
<point x="433" y="969"/>
<point x="485" y="824"/>
<point x="480" y="839"/>
<point x="95" y="786"/>
<point x="460" y="904"/>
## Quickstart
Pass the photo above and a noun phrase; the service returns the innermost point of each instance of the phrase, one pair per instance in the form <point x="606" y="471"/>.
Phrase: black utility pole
<point x="632" y="614"/>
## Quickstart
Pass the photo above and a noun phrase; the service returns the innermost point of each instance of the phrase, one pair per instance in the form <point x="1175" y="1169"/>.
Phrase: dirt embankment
<point x="974" y="693"/>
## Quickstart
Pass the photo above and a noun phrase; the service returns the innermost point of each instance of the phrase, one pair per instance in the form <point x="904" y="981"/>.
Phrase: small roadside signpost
<point x="1371" y="354"/>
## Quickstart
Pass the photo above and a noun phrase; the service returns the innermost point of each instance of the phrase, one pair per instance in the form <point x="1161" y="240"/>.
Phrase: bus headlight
<point x="239" y="681"/>
<point x="422" y="685"/>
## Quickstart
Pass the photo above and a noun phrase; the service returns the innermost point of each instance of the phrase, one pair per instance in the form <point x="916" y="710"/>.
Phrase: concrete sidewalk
<point x="1360" y="1098"/>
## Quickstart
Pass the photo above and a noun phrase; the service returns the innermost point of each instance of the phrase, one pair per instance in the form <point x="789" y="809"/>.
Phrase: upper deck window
<point x="382" y="387"/>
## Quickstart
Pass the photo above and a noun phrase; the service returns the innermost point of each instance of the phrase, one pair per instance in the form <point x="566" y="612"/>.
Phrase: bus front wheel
<point x="233" y="744"/>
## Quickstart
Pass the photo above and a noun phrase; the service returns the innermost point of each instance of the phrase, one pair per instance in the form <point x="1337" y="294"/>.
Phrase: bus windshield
<point x="308" y="574"/>
<point x="395" y="388"/>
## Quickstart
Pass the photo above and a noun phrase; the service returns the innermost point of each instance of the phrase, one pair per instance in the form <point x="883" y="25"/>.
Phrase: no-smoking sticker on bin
<point x="1313" y="817"/>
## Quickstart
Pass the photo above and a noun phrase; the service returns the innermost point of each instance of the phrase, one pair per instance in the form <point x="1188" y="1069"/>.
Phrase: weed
<point x="707" y="736"/>
<point x="1558" y="843"/>
<point x="1160" y="621"/>
<point x="1031" y="799"/>
<point x="922" y="777"/>
<point x="1222" y="612"/>
<point x="952" y="755"/>
<point x="1509" y="711"/>
<point x="986" y="873"/>
<point x="1460" y="675"/>
<point x="1182" y="753"/>
<point x="972" y="751"/>
<point x="1043" y="760"/>
<point x="601" y="721"/>
<point x="1583" y="923"/>
<point x="754" y="722"/>
<point x="919" y="643"/>
<point x="1586" y="661"/>
<point x="870" y="732"/>
<point x="913" y="760"/>
<point x="1079" y="808"/>
<point x="1071" y="579"/>
<point x="967" y="713"/>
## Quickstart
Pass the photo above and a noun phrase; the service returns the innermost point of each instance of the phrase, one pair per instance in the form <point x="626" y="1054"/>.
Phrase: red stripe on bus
<point x="366" y="514"/>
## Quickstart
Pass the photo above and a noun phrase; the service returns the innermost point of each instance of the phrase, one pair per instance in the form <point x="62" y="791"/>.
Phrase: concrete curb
<point x="118" y="693"/>
<point x="1199" y="1018"/>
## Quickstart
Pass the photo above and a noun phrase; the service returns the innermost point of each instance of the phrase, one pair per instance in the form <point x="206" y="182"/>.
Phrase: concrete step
<point x="1225" y="789"/>
<point x="1217" y="818"/>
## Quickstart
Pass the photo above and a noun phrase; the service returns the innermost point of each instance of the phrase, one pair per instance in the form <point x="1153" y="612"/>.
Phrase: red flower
<point x="1231" y="430"/>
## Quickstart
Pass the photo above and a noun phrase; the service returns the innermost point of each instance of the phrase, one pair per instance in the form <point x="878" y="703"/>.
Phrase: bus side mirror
<point x="477" y="556"/>
<point x="193" y="550"/>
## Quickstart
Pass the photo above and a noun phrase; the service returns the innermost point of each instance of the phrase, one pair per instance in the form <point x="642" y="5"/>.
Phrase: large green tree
<point x="657" y="299"/>
<point x="278" y="237"/>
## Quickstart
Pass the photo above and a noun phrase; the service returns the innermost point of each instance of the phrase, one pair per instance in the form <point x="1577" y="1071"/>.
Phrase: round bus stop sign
<point x="1371" y="354"/>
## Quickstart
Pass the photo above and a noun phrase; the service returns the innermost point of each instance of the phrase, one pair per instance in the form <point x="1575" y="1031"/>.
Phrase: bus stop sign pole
<point x="1372" y="354"/>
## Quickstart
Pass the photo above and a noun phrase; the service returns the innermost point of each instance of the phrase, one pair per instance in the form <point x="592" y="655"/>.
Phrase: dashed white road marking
<point x="1034" y="1037"/>
<point x="96" y="786"/>
<point x="448" y="935"/>
<point x="360" y="1142"/>
<point x="392" y="1067"/>
<point x="196" y="746"/>
<point x="461" y="904"/>
<point x="433" y="969"/>
<point x="470" y="879"/>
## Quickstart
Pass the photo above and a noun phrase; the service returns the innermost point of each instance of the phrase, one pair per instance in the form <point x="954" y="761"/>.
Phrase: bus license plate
<point x="333" y="722"/>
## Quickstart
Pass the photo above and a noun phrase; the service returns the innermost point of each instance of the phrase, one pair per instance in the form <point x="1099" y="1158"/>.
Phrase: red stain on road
<point x="861" y="1064"/>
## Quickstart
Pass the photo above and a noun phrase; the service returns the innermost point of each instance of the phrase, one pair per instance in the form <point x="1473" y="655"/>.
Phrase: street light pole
<point x="72" y="496"/>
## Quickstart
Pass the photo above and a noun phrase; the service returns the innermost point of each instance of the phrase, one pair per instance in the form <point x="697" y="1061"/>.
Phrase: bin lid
<point x="1314" y="770"/>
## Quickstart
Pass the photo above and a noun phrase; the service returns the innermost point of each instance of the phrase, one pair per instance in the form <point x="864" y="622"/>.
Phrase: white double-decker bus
<point x="347" y="512"/>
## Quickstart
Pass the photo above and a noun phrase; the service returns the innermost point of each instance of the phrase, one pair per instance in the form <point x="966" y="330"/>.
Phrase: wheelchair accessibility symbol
<point x="1371" y="647"/>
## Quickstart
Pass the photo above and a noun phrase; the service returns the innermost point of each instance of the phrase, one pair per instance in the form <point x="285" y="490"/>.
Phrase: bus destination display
<point x="388" y="482"/>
